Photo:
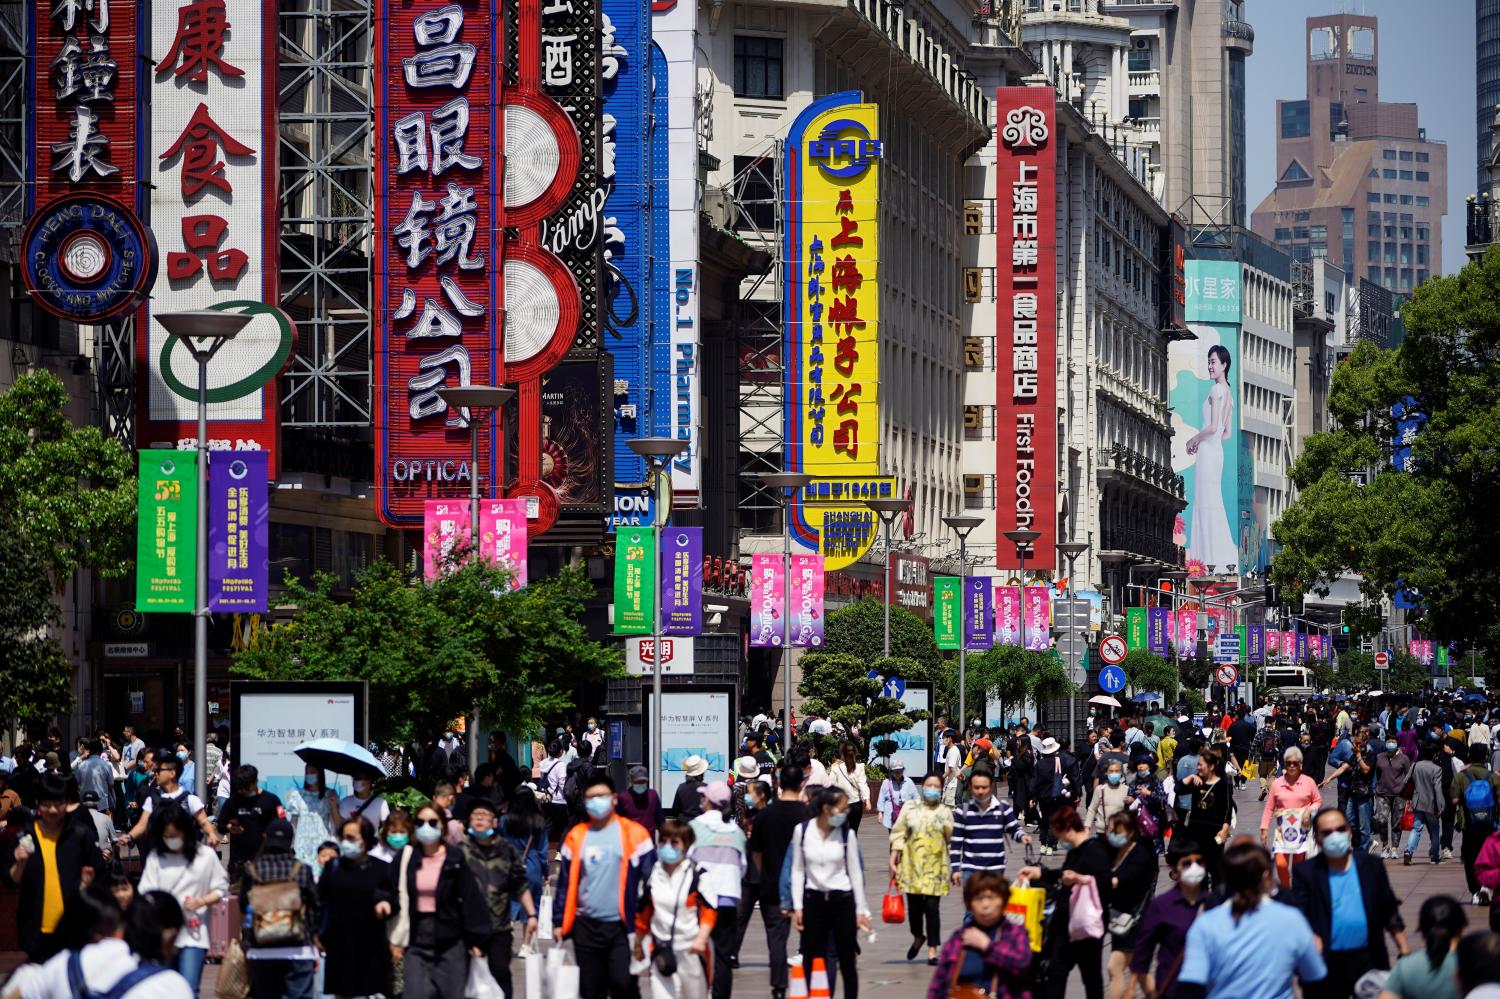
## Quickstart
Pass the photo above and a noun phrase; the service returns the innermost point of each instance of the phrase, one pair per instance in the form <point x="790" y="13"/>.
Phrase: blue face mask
<point x="1114" y="779"/>
<point x="1337" y="844"/>
<point x="668" y="853"/>
<point x="182" y="755"/>
<point x="1390" y="747"/>
<point x="349" y="849"/>
<point x="477" y="834"/>
<point x="428" y="834"/>
<point x="837" y="819"/>
<point x="397" y="841"/>
<point x="598" y="807"/>
<point x="932" y="794"/>
<point x="639" y="788"/>
<point x="1117" y="840"/>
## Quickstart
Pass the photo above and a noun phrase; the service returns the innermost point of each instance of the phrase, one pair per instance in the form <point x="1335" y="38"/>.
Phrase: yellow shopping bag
<point x="1024" y="908"/>
<point x="1249" y="771"/>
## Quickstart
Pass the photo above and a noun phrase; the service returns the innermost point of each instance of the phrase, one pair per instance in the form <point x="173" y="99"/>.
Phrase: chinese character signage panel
<point x="1026" y="294"/>
<point x="239" y="516"/>
<point x="166" y="550"/>
<point x="213" y="171"/>
<point x="831" y="302"/>
<point x="1212" y="294"/>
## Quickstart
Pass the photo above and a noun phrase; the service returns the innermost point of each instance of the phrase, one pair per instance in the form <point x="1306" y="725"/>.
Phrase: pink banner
<point x="807" y="601"/>
<point x="445" y="527"/>
<point x="1289" y="645"/>
<point x="1315" y="646"/>
<point x="502" y="536"/>
<point x="767" y="593"/>
<point x="1187" y="631"/>
<point x="1007" y="614"/>
<point x="1273" y="643"/>
<point x="1038" y="620"/>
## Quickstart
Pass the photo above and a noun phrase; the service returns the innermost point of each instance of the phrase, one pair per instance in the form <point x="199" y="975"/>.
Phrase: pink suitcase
<point x="223" y="921"/>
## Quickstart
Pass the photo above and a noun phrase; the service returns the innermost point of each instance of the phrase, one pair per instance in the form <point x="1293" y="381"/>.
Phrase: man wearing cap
<point x="719" y="849"/>
<point x="501" y="873"/>
<point x="285" y="971"/>
<point x="640" y="802"/>
<point x="686" y="804"/>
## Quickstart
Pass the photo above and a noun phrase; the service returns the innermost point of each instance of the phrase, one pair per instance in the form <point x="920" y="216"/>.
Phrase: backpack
<point x="1479" y="802"/>
<point x="276" y="914"/>
<point x="1268" y="741"/>
<point x="577" y="774"/>
<point x="78" y="988"/>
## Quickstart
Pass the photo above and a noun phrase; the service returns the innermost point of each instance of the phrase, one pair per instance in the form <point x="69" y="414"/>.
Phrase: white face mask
<point x="173" y="843"/>
<point x="1193" y="875"/>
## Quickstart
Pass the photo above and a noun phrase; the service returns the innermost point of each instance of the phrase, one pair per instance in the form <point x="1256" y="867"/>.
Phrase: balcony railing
<point x="1483" y="224"/>
<point x="1239" y="29"/>
<point x="1123" y="459"/>
<point x="1145" y="79"/>
<point x="1121" y="539"/>
<point x="1149" y="129"/>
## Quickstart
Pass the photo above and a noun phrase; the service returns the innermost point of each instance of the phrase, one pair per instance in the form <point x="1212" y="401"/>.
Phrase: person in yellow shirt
<point x="54" y="859"/>
<point x="1166" y="752"/>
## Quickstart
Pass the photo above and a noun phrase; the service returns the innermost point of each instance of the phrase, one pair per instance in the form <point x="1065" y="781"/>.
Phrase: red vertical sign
<point x="1026" y="339"/>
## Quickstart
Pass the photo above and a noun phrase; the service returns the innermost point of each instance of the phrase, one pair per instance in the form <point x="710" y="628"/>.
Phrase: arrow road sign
<point x="1112" y="649"/>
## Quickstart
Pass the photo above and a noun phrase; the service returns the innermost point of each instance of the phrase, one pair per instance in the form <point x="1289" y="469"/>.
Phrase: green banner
<point x="946" y="594"/>
<point x="166" y="539"/>
<point x="1135" y="628"/>
<point x="635" y="581"/>
<point x="1244" y="643"/>
<point x="1442" y="655"/>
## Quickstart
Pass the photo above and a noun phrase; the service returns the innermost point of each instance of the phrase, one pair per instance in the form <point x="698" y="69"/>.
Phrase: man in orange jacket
<point x="604" y="863"/>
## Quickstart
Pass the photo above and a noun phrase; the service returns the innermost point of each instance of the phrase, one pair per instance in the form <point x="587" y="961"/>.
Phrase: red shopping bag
<point x="1408" y="818"/>
<point x="893" y="907"/>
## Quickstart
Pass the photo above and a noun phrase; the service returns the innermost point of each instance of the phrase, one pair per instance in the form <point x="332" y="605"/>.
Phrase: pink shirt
<point x="427" y="882"/>
<point x="1283" y="795"/>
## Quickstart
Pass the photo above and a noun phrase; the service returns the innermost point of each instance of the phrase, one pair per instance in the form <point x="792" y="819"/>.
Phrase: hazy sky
<point x="1426" y="56"/>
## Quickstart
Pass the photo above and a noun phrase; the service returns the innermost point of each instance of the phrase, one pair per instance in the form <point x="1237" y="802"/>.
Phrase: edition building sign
<point x="1026" y="352"/>
<point x="213" y="178"/>
<point x="831" y="303"/>
<point x="86" y="257"/>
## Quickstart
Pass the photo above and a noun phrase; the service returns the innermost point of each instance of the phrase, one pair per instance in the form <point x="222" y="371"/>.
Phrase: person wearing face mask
<point x="1213" y="801"/>
<point x="719" y="848"/>
<point x="193" y="876"/>
<point x="525" y="828"/>
<point x="287" y="971"/>
<point x="1392" y="770"/>
<point x="1132" y="880"/>
<point x="828" y="887"/>
<point x="678" y="917"/>
<point x="989" y="952"/>
<point x="1476" y="799"/>
<point x="364" y="803"/>
<point x="604" y="861"/>
<point x="1112" y="796"/>
<point x="169" y="788"/>
<point x="358" y="895"/>
<point x="313" y="811"/>
<point x="395" y="835"/>
<point x="447" y="757"/>
<point x="640" y="802"/>
<point x="501" y="872"/>
<point x="245" y="815"/>
<point x="1286" y="822"/>
<point x="1150" y="801"/>
<point x="920" y="846"/>
<point x="1161" y="934"/>
<point x="896" y="792"/>
<point x="1348" y="902"/>
<point x="443" y="919"/>
<point x="593" y="739"/>
<point x="1089" y="860"/>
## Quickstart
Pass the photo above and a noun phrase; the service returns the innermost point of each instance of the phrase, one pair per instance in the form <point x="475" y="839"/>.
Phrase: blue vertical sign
<point x="626" y="172"/>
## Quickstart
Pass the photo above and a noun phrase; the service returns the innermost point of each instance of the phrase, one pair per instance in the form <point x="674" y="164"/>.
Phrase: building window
<point x="757" y="203"/>
<point x="1319" y="250"/>
<point x="1422" y="157"/>
<point x="1406" y="175"/>
<point x="1389" y="154"/>
<point x="1388" y="174"/>
<point x="1373" y="229"/>
<point x="1422" y="231"/>
<point x="1302" y="232"/>
<point x="1421" y="276"/>
<point x="1294" y="174"/>
<point x="1421" y="253"/>
<point x="1139" y="107"/>
<point x="1423" y="201"/>
<point x="1374" y="198"/>
<point x="1283" y="235"/>
<point x="1296" y="120"/>
<point x="757" y="67"/>
<point x="1319" y="232"/>
<point x="1406" y="156"/>
<point x="1405" y="199"/>
<point x="1372" y="251"/>
<point x="1301" y="216"/>
<point x="1140" y="60"/>
<point x="1423" y="176"/>
<point x="1390" y="253"/>
<point x="1374" y="274"/>
<point x="1390" y="199"/>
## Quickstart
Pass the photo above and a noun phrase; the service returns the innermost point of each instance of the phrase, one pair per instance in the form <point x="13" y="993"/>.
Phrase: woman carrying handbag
<point x="1132" y="880"/>
<point x="989" y="957"/>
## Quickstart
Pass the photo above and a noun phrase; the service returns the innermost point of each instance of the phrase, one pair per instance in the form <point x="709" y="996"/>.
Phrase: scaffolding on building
<point x="13" y="69"/>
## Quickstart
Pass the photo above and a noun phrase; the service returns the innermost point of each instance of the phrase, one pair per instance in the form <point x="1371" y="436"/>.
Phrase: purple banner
<point x="979" y="613"/>
<point x="1038" y="619"/>
<point x="1255" y="637"/>
<point x="1303" y="646"/>
<point x="239" y="511"/>
<point x="1159" y="631"/>
<point x="681" y="580"/>
<point x="807" y="601"/>
<point x="767" y="591"/>
<point x="1007" y="614"/>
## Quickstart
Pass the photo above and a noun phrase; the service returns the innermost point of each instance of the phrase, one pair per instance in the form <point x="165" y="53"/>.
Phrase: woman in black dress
<point x="1209" y="822"/>
<point x="1088" y="857"/>
<point x="359" y="895"/>
<point x="1133" y="881"/>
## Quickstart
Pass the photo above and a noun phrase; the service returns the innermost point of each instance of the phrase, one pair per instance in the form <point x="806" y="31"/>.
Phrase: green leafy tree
<point x="1355" y="669"/>
<point x="1007" y="673"/>
<point x="859" y="630"/>
<point x="1407" y="675"/>
<point x="1432" y="527"/>
<point x="433" y="651"/>
<point x="835" y="684"/>
<point x="1051" y="681"/>
<point x="1146" y="671"/>
<point x="67" y="502"/>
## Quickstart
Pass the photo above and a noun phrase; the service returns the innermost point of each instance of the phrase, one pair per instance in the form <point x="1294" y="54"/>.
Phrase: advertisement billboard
<point x="214" y="209"/>
<point x="1203" y="393"/>
<point x="676" y="336"/>
<point x="1026" y="345"/>
<point x="915" y="742"/>
<point x="268" y="720"/>
<point x="831" y="324"/>
<point x="696" y="721"/>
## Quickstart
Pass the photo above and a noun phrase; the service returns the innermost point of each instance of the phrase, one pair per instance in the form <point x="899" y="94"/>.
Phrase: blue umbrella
<point x="340" y="756"/>
<point x="1149" y="695"/>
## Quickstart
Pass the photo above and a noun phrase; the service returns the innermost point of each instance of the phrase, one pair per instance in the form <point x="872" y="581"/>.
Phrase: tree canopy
<point x="1431" y="528"/>
<point x="67" y="502"/>
<point x="432" y="651"/>
<point x="859" y="630"/>
<point x="836" y="685"/>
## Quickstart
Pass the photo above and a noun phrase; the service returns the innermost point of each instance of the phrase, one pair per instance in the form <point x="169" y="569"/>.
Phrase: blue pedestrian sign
<point x="1111" y="679"/>
<point x="895" y="688"/>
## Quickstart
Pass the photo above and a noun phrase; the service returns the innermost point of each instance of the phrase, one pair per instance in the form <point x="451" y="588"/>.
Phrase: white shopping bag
<point x="533" y="968"/>
<point x="544" y="916"/>
<point x="638" y="968"/>
<point x="562" y="974"/>
<point x="482" y="984"/>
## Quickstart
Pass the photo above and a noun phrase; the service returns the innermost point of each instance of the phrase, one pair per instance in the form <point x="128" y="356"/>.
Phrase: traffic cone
<point x="820" y="989"/>
<point x="796" y="982"/>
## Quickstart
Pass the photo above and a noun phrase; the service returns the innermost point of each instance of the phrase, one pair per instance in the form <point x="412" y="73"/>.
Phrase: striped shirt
<point x="979" y="833"/>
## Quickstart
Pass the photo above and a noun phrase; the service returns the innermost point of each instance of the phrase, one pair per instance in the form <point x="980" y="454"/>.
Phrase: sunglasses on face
<point x="434" y="823"/>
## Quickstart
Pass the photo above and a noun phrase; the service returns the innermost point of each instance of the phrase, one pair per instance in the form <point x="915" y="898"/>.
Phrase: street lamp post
<point x="1071" y="550"/>
<point x="963" y="526"/>
<point x="785" y="485"/>
<point x="202" y="333"/>
<point x="657" y="451"/>
<point x="886" y="509"/>
<point x="1023" y="540"/>
<point x="477" y="397"/>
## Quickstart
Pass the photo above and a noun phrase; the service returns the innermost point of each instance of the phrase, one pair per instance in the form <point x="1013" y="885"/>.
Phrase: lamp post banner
<point x="1255" y="636"/>
<point x="503" y="537"/>
<point x="682" y="581"/>
<point x="1159" y="631"/>
<point x="979" y="614"/>
<point x="1135" y="627"/>
<point x="1038" y="619"/>
<point x="767" y="592"/>
<point x="635" y="581"/>
<point x="946" y="596"/>
<point x="807" y="601"/>
<point x="1007" y="614"/>
<point x="445" y="528"/>
<point x="239" y="514"/>
<point x="1187" y="630"/>
<point x="166" y="549"/>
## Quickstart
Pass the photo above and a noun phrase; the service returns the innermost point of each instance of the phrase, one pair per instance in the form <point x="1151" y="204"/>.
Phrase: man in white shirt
<point x="364" y="803"/>
<point x="818" y="725"/>
<point x="593" y="737"/>
<point x="953" y="762"/>
<point x="168" y="771"/>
